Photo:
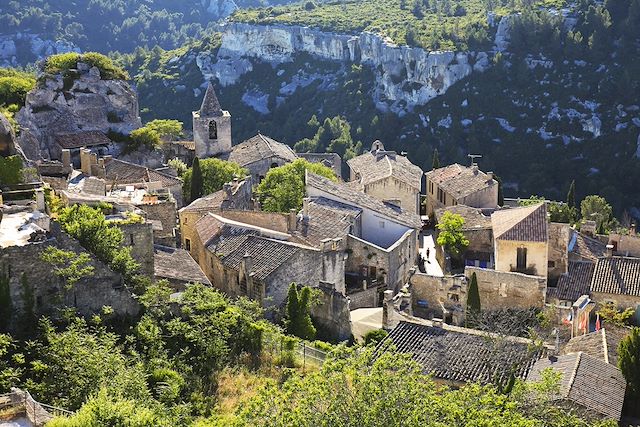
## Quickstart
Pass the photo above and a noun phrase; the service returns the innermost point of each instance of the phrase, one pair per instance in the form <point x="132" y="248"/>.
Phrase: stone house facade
<point x="259" y="154"/>
<point x="460" y="185"/>
<point x="499" y="289"/>
<point x="388" y="177"/>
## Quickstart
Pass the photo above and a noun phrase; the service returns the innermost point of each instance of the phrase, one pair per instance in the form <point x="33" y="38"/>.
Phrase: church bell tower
<point x="211" y="127"/>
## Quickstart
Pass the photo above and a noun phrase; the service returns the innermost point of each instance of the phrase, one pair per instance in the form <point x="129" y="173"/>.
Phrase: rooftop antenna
<point x="473" y="158"/>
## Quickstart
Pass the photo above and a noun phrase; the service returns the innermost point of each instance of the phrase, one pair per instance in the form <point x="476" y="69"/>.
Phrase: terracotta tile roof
<point x="177" y="264"/>
<point x="594" y="344"/>
<point x="586" y="247"/>
<point x="211" y="202"/>
<point x="462" y="356"/>
<point x="347" y="195"/>
<point x="574" y="283"/>
<point x="587" y="381"/>
<point x="524" y="224"/>
<point x="258" y="148"/>
<point x="473" y="218"/>
<point x="617" y="275"/>
<point x="123" y="173"/>
<point x="81" y="139"/>
<point x="380" y="164"/>
<point x="210" y="104"/>
<point x="207" y="228"/>
<point x="460" y="181"/>
<point x="328" y="219"/>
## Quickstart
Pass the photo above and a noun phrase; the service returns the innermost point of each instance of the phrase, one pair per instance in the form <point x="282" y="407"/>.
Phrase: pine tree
<point x="436" y="160"/>
<point x="571" y="195"/>
<point x="196" y="180"/>
<point x="473" y="301"/>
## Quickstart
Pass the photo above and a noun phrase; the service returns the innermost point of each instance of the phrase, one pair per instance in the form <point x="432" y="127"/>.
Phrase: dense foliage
<point x="450" y="234"/>
<point x="65" y="62"/>
<point x="14" y="86"/>
<point x="215" y="173"/>
<point x="298" y="312"/>
<point x="629" y="361"/>
<point x="11" y="170"/>
<point x="284" y="187"/>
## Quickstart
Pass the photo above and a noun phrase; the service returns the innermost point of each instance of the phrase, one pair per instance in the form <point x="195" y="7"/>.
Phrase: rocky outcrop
<point x="16" y="48"/>
<point x="7" y="137"/>
<point x="81" y="101"/>
<point x="405" y="76"/>
<point x="219" y="8"/>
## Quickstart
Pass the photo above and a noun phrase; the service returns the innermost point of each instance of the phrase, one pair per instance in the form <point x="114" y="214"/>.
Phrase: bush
<point x="11" y="172"/>
<point x="375" y="336"/>
<point x="143" y="137"/>
<point x="64" y="62"/>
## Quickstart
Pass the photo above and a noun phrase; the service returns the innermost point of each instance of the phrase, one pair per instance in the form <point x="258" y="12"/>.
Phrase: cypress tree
<point x="306" y="329"/>
<point x="628" y="357"/>
<point x="5" y="299"/>
<point x="196" y="180"/>
<point x="293" y="310"/>
<point x="29" y="318"/>
<point x="473" y="300"/>
<point x="500" y="192"/>
<point x="436" y="160"/>
<point x="571" y="195"/>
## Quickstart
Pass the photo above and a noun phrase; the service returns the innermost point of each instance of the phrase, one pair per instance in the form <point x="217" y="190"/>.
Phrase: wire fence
<point x="37" y="413"/>
<point x="292" y="352"/>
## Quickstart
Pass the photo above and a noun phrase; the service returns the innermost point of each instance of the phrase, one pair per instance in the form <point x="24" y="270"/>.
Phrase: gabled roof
<point x="327" y="219"/>
<point x="587" y="381"/>
<point x="123" y="173"/>
<point x="460" y="181"/>
<point x="462" y="355"/>
<point x="258" y="148"/>
<point x="594" y="344"/>
<point x="373" y="166"/>
<point x="574" y="283"/>
<point x="210" y="104"/>
<point x="617" y="275"/>
<point x="524" y="224"/>
<point x="474" y="219"/>
<point x="81" y="139"/>
<point x="346" y="195"/>
<point x="586" y="247"/>
<point x="177" y="264"/>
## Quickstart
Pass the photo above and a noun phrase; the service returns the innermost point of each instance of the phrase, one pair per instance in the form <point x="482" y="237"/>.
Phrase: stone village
<point x="368" y="242"/>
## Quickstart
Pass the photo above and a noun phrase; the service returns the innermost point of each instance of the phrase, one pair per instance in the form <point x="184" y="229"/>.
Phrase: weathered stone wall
<point x="626" y="245"/>
<point x="537" y="256"/>
<point x="206" y="147"/>
<point x="139" y="237"/>
<point x="363" y="299"/>
<point x="271" y="220"/>
<point x="259" y="169"/>
<point x="500" y="289"/>
<point x="558" y="258"/>
<point x="622" y="301"/>
<point x="332" y="315"/>
<point x="165" y="212"/>
<point x="390" y="188"/>
<point x="487" y="198"/>
<point x="88" y="296"/>
<point x="441" y="297"/>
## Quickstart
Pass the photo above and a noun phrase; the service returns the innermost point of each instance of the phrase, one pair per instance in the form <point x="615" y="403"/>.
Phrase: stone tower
<point x="211" y="127"/>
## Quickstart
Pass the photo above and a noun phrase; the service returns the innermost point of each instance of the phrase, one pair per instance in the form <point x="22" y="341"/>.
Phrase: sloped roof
<point x="258" y="148"/>
<point x="349" y="196"/>
<point x="617" y="275"/>
<point x="575" y="283"/>
<point x="328" y="219"/>
<point x="460" y="181"/>
<point x="524" y="224"/>
<point x="373" y="166"/>
<point x="212" y="201"/>
<point x="210" y="104"/>
<point x="207" y="228"/>
<point x="88" y="138"/>
<point x="587" y="381"/>
<point x="123" y="173"/>
<point x="586" y="247"/>
<point x="474" y="219"/>
<point x="594" y="344"/>
<point x="461" y="356"/>
<point x="177" y="264"/>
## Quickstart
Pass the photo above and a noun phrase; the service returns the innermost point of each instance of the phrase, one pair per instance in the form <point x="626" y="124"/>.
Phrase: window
<point x="187" y="244"/>
<point x="213" y="130"/>
<point x="453" y="297"/>
<point x="131" y="241"/>
<point x="442" y="197"/>
<point x="551" y="264"/>
<point x="521" y="259"/>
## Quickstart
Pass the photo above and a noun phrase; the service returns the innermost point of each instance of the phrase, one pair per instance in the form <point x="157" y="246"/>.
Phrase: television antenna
<point x="473" y="158"/>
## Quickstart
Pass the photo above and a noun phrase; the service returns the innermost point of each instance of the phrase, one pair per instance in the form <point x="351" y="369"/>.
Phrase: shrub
<point x="64" y="62"/>
<point x="11" y="171"/>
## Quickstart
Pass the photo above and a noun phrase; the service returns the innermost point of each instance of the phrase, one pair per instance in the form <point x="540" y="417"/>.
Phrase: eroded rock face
<point x="7" y="137"/>
<point x="36" y="47"/>
<point x="405" y="76"/>
<point x="69" y="105"/>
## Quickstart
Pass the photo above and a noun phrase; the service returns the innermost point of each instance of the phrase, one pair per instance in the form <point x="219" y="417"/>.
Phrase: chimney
<point x="474" y="169"/>
<point x="437" y="322"/>
<point x="66" y="160"/>
<point x="227" y="190"/>
<point x="247" y="261"/>
<point x="609" y="251"/>
<point x="387" y="310"/>
<point x="489" y="176"/>
<point x="632" y="229"/>
<point x="305" y="206"/>
<point x="292" y="220"/>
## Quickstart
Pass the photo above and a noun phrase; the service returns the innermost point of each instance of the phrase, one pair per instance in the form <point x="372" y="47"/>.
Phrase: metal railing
<point x="23" y="403"/>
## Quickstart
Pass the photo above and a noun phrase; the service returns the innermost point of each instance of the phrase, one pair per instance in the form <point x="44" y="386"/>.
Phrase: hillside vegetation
<point x="432" y="24"/>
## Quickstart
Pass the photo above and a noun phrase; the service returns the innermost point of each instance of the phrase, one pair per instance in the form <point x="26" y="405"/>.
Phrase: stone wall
<point x="88" y="296"/>
<point x="626" y="245"/>
<point x="331" y="315"/>
<point x="259" y="169"/>
<point x="622" y="301"/>
<point x="486" y="198"/>
<point x="165" y="212"/>
<point x="139" y="237"/>
<point x="537" y="256"/>
<point x="480" y="244"/>
<point x="392" y="189"/>
<point x="206" y="147"/>
<point x="363" y="299"/>
<point x="500" y="289"/>
<point x="441" y="297"/>
<point x="558" y="258"/>
<point x="271" y="220"/>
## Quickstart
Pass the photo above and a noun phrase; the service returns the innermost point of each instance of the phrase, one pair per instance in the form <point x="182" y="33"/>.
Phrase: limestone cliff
<point x="17" y="49"/>
<point x="405" y="76"/>
<point x="81" y="101"/>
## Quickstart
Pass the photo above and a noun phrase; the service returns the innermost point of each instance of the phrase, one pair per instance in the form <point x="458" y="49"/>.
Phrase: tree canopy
<point x="215" y="173"/>
<point x="450" y="234"/>
<point x="284" y="188"/>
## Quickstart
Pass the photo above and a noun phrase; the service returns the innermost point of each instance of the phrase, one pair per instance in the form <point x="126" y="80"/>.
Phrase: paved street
<point x="431" y="265"/>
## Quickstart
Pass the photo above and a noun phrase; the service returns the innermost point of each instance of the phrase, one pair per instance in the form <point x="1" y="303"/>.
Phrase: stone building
<point x="211" y="127"/>
<point x="139" y="238"/>
<point x="388" y="177"/>
<point x="477" y="229"/>
<point x="177" y="267"/>
<point x="259" y="154"/>
<point x="460" y="185"/>
<point x="74" y="142"/>
<point x="330" y="160"/>
<point x="617" y="279"/>
<point x="521" y="240"/>
<point x="625" y="245"/>
<point x="500" y="289"/>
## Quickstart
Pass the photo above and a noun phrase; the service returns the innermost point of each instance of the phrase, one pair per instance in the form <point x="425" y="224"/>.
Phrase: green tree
<point x="571" y="195"/>
<point x="196" y="180"/>
<point x="450" y="235"/>
<point x="629" y="361"/>
<point x="143" y="137"/>
<point x="560" y="212"/>
<point x="473" y="301"/>
<point x="6" y="305"/>
<point x="283" y="188"/>
<point x="70" y="266"/>
<point x="165" y="128"/>
<point x="436" y="160"/>
<point x="215" y="173"/>
<point x="298" y="320"/>
<point x="596" y="208"/>
<point x="374" y="337"/>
